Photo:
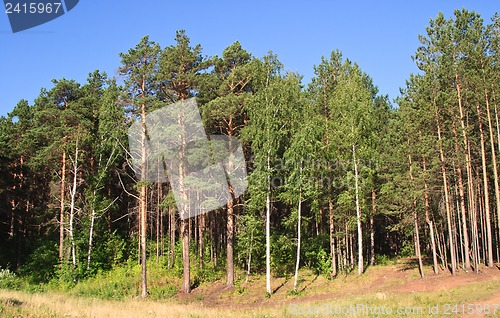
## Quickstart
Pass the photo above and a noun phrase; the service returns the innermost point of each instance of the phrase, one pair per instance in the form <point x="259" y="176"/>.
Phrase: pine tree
<point x="140" y="68"/>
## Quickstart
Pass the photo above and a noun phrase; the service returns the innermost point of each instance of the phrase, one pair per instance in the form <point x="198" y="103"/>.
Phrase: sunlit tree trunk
<point x="429" y="220"/>
<point x="61" y="211"/>
<point x="268" y="226"/>
<point x="297" y="262"/>
<point x="358" y="213"/>
<point x="489" y="242"/>
<point x="72" y="206"/>
<point x="446" y="195"/>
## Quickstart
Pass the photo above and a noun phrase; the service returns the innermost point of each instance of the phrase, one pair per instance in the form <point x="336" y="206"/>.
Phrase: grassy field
<point x="392" y="290"/>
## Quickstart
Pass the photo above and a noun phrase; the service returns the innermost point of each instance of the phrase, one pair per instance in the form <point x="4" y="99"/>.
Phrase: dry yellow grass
<point x="20" y="304"/>
<point x="49" y="305"/>
<point x="385" y="287"/>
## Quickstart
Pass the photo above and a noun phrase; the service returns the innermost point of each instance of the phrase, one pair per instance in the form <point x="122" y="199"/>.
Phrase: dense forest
<point x="339" y="178"/>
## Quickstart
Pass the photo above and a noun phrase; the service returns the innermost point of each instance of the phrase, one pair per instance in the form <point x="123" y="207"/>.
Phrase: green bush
<point x="382" y="259"/>
<point x="41" y="265"/>
<point x="119" y="283"/>
<point x="9" y="280"/>
<point x="317" y="255"/>
<point x="408" y="249"/>
<point x="283" y="255"/>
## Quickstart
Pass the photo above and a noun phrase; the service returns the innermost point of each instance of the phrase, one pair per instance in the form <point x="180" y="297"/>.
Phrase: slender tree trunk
<point x="173" y="225"/>
<point x="429" y="220"/>
<point x="230" y="239"/>
<point x="462" y="208"/>
<point x="498" y="145"/>
<point x="417" y="244"/>
<point x="72" y="206"/>
<point x="268" y="226"/>
<point x="415" y="222"/>
<point x="61" y="213"/>
<point x="439" y="246"/>
<point x="372" y="228"/>
<point x="483" y="231"/>
<point x="230" y="222"/>
<point x="489" y="242"/>
<point x="186" y="285"/>
<point x="91" y="230"/>
<point x="358" y="214"/>
<point x="202" y="240"/>
<point x="143" y="203"/>
<point x="446" y="195"/>
<point x="346" y="247"/>
<point x="469" y="175"/>
<point x="158" y="217"/>
<point x="162" y="234"/>
<point x="299" y="219"/>
<point x="249" y="258"/>
<point x="332" y="238"/>
<point x="493" y="158"/>
<point x="185" y="220"/>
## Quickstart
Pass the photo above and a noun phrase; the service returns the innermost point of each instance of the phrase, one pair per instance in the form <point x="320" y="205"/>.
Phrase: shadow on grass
<point x="310" y="283"/>
<point x="11" y="302"/>
<point x="282" y="284"/>
<point x="409" y="264"/>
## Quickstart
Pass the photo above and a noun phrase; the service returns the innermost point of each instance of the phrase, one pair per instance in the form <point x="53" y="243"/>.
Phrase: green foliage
<point x="408" y="248"/>
<point x="250" y="240"/>
<point x="317" y="255"/>
<point x="383" y="260"/>
<point x="41" y="264"/>
<point x="120" y="283"/>
<point x="282" y="258"/>
<point x="9" y="280"/>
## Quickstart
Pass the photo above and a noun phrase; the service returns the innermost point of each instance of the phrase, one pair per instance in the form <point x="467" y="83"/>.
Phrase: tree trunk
<point x="415" y="222"/>
<point x="249" y="259"/>
<point x="358" y="214"/>
<point x="158" y="217"/>
<point x="372" y="228"/>
<point x="417" y="244"/>
<point x="143" y="204"/>
<point x="332" y="238"/>
<point x="173" y="225"/>
<point x="446" y="196"/>
<point x="91" y="230"/>
<point x="461" y="207"/>
<point x="428" y="219"/>
<point x="268" y="226"/>
<point x="489" y="242"/>
<point x="202" y="240"/>
<point x="469" y="175"/>
<point x="230" y="239"/>
<point x="493" y="159"/>
<point x="299" y="219"/>
<point x="72" y="206"/>
<point x="186" y="285"/>
<point x="61" y="213"/>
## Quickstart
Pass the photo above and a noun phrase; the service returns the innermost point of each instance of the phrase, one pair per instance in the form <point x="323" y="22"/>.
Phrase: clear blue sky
<point x="380" y="36"/>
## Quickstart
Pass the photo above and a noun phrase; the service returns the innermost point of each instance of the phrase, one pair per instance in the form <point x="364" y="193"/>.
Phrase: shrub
<point x="9" y="280"/>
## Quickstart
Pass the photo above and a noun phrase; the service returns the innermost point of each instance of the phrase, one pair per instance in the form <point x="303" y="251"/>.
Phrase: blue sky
<point x="381" y="36"/>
